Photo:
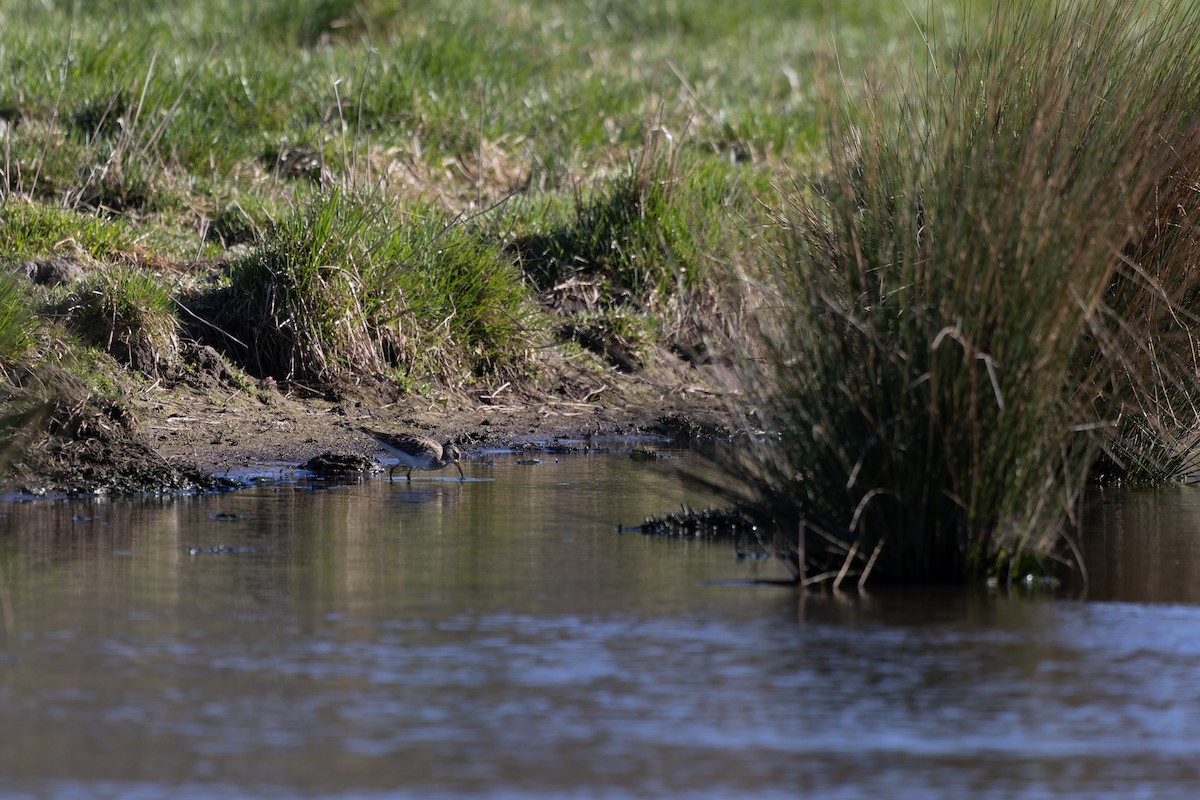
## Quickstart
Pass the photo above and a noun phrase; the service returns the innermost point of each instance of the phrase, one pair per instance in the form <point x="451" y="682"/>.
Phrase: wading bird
<point x="416" y="452"/>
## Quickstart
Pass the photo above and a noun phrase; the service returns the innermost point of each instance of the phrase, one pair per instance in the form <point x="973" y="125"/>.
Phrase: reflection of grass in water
<point x="955" y="323"/>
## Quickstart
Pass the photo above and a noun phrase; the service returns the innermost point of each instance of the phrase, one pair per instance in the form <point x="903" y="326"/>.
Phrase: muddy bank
<point x="195" y="432"/>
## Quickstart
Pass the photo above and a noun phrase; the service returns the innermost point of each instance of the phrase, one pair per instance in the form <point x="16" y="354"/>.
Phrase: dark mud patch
<point x="739" y="526"/>
<point x="339" y="465"/>
<point x="226" y="426"/>
<point x="710" y="524"/>
<point x="92" y="447"/>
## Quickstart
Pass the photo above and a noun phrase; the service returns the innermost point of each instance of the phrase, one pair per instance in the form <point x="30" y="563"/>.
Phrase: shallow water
<point x="498" y="638"/>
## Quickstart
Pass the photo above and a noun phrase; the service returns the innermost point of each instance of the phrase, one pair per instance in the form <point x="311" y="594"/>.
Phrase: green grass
<point x="129" y="314"/>
<point x="16" y="325"/>
<point x="191" y="89"/>
<point x="33" y="230"/>
<point x="161" y="132"/>
<point x="346" y="286"/>
<point x="625" y="136"/>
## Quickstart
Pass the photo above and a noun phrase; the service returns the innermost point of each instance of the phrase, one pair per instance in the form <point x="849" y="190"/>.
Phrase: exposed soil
<point x="206" y="425"/>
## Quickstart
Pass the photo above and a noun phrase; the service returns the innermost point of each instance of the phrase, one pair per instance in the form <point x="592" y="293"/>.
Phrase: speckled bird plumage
<point x="416" y="452"/>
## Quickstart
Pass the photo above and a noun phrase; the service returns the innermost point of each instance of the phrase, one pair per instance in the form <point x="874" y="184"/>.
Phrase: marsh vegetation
<point x="991" y="285"/>
<point x="953" y="283"/>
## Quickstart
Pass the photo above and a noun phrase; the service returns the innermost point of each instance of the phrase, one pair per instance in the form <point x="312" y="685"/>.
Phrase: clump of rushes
<point x="1150" y="451"/>
<point x="129" y="314"/>
<point x="938" y="340"/>
<point x="344" y="287"/>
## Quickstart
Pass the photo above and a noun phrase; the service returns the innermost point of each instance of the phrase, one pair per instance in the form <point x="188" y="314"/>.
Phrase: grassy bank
<point x="392" y="188"/>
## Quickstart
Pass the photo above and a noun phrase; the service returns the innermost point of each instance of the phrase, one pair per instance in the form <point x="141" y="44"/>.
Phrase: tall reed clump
<point x="345" y="286"/>
<point x="944" y="338"/>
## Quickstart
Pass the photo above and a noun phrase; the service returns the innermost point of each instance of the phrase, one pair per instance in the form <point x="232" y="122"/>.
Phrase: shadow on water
<point x="499" y="638"/>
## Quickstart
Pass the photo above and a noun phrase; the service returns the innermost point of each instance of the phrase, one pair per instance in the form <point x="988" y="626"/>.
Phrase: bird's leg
<point x="392" y="471"/>
<point x="408" y="475"/>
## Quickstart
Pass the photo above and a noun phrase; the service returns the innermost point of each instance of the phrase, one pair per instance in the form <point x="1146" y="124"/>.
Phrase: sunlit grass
<point x="622" y="135"/>
<point x="16" y="324"/>
<point x="128" y="313"/>
<point x="346" y="287"/>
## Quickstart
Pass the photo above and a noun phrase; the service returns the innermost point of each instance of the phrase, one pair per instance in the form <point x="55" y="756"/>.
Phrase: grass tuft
<point x="637" y="248"/>
<point x="944" y="338"/>
<point x="28" y="230"/>
<point x="129" y="314"/>
<point x="344" y="287"/>
<point x="16" y="325"/>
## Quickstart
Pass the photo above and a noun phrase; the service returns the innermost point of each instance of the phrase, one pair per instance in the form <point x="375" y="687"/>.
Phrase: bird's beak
<point x="458" y="466"/>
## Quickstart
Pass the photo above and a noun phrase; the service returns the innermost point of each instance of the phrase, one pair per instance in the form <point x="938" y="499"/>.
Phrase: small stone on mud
<point x="338" y="464"/>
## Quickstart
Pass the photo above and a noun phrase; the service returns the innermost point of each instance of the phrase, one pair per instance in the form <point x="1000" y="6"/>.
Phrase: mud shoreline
<point x="195" y="434"/>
